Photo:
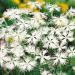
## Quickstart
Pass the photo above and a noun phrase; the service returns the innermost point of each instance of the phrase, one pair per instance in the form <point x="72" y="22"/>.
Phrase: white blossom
<point x="46" y="73"/>
<point x="60" y="58"/>
<point x="71" y="51"/>
<point x="27" y="64"/>
<point x="60" y="21"/>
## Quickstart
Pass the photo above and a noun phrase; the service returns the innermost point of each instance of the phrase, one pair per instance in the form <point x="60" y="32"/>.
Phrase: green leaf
<point x="71" y="3"/>
<point x="29" y="31"/>
<point x="45" y="66"/>
<point x="72" y="61"/>
<point x="7" y="22"/>
<point x="26" y="16"/>
<point x="49" y="14"/>
<point x="66" y="67"/>
<point x="24" y="43"/>
<point x="56" y="13"/>
<point x="52" y="51"/>
<point x="43" y="10"/>
<point x="15" y="71"/>
<point x="39" y="44"/>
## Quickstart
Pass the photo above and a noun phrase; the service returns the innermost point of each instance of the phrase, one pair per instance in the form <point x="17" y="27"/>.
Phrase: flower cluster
<point x="28" y="39"/>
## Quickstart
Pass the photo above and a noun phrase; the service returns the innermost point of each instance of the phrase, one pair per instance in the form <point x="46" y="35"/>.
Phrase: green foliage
<point x="2" y="72"/>
<point x="39" y="44"/>
<point x="49" y="15"/>
<point x="50" y="23"/>
<point x="71" y="3"/>
<point x="51" y="1"/>
<point x="43" y="10"/>
<point x="29" y="31"/>
<point x="15" y="71"/>
<point x="66" y="68"/>
<point x="26" y="16"/>
<point x="45" y="66"/>
<point x="52" y="51"/>
<point x="7" y="22"/>
<point x="73" y="33"/>
<point x="24" y="43"/>
<point x="72" y="61"/>
<point x="35" y="71"/>
<point x="56" y="13"/>
<point x="73" y="42"/>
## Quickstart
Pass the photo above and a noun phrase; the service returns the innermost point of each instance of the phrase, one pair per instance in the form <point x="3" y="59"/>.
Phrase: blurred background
<point x="6" y="4"/>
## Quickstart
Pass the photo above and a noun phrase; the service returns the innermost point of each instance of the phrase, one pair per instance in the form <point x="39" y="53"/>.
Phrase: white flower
<point x="17" y="51"/>
<point x="9" y="65"/>
<point x="6" y="62"/>
<point x="13" y="13"/>
<point x="7" y="59"/>
<point x="44" y="30"/>
<point x="46" y="73"/>
<point x="50" y="41"/>
<point x="57" y="38"/>
<point x="1" y="20"/>
<point x="42" y="56"/>
<point x="60" y="21"/>
<point x="64" y="34"/>
<point x="36" y="35"/>
<point x="67" y="35"/>
<point x="27" y="64"/>
<point x="2" y="55"/>
<point x="71" y="12"/>
<point x="51" y="8"/>
<point x="53" y="42"/>
<point x="71" y="51"/>
<point x="21" y="28"/>
<point x="22" y="35"/>
<point x="60" y="58"/>
<point x="39" y="18"/>
<point x="30" y="49"/>
<point x="34" y="23"/>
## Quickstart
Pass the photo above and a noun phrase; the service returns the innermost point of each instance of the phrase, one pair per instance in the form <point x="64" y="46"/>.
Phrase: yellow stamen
<point x="10" y="39"/>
